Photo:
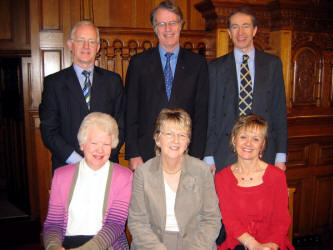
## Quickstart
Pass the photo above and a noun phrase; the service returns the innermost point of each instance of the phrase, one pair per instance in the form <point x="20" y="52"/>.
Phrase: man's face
<point x="242" y="32"/>
<point x="84" y="46"/>
<point x="167" y="29"/>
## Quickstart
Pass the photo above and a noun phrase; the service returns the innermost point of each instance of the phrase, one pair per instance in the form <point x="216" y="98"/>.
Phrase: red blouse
<point x="261" y="211"/>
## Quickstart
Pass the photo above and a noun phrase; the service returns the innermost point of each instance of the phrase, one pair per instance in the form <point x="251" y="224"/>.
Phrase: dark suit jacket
<point x="269" y="101"/>
<point x="146" y="97"/>
<point x="196" y="206"/>
<point x="63" y="108"/>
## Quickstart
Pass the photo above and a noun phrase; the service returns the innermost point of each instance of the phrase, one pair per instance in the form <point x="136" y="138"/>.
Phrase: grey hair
<point x="82" y="23"/>
<point x="169" y="5"/>
<point x="102" y="121"/>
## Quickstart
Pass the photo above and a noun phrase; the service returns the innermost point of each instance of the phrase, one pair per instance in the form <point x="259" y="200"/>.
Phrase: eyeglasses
<point x="171" y="24"/>
<point x="172" y="135"/>
<point x="81" y="42"/>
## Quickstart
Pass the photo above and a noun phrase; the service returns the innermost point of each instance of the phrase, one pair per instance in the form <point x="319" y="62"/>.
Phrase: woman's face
<point x="97" y="148"/>
<point x="173" y="140"/>
<point x="249" y="142"/>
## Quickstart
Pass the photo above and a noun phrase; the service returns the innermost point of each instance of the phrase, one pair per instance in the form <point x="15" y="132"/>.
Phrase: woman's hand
<point x="255" y="245"/>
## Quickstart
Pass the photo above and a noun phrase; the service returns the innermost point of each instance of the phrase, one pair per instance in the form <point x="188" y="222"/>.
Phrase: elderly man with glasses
<point x="72" y="93"/>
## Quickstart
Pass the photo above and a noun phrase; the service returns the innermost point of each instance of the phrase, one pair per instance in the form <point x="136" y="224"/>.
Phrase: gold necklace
<point x="171" y="172"/>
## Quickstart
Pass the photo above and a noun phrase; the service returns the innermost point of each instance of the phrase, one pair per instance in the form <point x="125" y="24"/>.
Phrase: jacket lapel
<point x="185" y="198"/>
<point x="158" y="191"/>
<point x="261" y="70"/>
<point x="156" y="72"/>
<point x="231" y="83"/>
<point x="97" y="87"/>
<point x="74" y="87"/>
<point x="180" y="74"/>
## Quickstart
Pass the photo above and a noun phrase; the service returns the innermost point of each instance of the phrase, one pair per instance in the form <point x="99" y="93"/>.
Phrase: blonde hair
<point x="102" y="121"/>
<point x="178" y="116"/>
<point x="252" y="121"/>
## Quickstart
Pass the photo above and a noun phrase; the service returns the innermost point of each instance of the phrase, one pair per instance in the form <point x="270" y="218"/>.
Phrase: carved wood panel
<point x="119" y="44"/>
<point x="306" y="85"/>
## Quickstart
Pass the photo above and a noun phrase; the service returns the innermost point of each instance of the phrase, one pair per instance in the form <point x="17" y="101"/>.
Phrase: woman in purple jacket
<point x="89" y="201"/>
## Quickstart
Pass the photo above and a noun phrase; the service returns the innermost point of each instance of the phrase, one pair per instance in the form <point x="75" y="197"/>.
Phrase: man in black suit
<point x="72" y="93"/>
<point x="267" y="94"/>
<point x="163" y="77"/>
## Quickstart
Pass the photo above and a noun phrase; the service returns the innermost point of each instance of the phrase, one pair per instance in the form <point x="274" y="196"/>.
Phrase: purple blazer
<point x="115" y="209"/>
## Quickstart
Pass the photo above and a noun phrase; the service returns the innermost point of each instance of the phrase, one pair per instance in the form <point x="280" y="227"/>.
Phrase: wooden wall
<point x="300" y="32"/>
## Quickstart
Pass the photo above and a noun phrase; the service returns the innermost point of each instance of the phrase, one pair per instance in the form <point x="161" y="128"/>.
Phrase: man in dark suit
<point x="264" y="95"/>
<point x="70" y="94"/>
<point x="164" y="77"/>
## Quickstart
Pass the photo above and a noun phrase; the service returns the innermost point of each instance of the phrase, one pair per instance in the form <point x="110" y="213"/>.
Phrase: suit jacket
<point x="115" y="208"/>
<point x="196" y="206"/>
<point x="63" y="108"/>
<point x="269" y="101"/>
<point x="146" y="97"/>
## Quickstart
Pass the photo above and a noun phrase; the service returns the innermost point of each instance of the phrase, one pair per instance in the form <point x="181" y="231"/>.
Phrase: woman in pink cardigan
<point x="89" y="201"/>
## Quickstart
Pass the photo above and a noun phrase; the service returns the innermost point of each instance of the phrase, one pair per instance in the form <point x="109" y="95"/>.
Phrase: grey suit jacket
<point x="269" y="101"/>
<point x="196" y="206"/>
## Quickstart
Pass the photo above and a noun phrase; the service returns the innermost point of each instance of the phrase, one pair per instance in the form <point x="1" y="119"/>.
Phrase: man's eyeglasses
<point x="81" y="42"/>
<point x="171" y="24"/>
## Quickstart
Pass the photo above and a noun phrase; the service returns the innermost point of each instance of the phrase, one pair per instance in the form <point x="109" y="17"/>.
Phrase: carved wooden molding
<point x="119" y="44"/>
<point x="279" y="14"/>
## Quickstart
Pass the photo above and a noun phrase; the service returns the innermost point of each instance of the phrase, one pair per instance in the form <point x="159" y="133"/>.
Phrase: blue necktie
<point x="246" y="91"/>
<point x="87" y="87"/>
<point x="168" y="75"/>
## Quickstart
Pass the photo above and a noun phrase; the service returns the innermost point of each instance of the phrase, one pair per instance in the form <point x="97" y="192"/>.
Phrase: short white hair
<point x="102" y="121"/>
<point x="82" y="23"/>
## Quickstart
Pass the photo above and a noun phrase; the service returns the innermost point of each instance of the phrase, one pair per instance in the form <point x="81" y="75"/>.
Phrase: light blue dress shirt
<point x="173" y="58"/>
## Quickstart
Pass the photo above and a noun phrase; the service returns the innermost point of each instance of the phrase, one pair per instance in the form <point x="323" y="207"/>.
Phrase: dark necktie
<point x="168" y="77"/>
<point x="246" y="91"/>
<point x="87" y="87"/>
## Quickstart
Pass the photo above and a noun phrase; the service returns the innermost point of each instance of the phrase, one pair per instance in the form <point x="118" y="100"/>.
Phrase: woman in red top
<point x="253" y="194"/>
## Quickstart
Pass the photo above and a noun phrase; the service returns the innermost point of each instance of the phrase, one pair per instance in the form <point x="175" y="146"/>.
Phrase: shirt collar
<point x="88" y="171"/>
<point x="163" y="51"/>
<point x="78" y="69"/>
<point x="239" y="55"/>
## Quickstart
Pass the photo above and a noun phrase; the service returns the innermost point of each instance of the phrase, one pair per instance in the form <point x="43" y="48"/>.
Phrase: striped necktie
<point x="246" y="91"/>
<point x="87" y="87"/>
<point x="168" y="77"/>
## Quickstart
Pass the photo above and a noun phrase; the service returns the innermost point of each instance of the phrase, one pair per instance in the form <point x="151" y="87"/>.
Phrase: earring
<point x="260" y="154"/>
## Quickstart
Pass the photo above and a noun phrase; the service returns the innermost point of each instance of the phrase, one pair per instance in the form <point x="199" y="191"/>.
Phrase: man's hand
<point x="135" y="162"/>
<point x="281" y="165"/>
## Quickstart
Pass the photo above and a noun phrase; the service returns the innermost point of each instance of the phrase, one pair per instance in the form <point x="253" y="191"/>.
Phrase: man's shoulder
<point x="267" y="56"/>
<point x="106" y="73"/>
<point x="145" y="54"/>
<point x="60" y="74"/>
<point x="222" y="59"/>
<point x="191" y="55"/>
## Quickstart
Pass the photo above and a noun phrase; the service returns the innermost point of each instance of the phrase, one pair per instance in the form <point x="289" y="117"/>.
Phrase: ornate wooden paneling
<point x="119" y="44"/>
<point x="306" y="78"/>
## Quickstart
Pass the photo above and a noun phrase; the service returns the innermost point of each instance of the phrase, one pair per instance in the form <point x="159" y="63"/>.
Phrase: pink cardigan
<point x="115" y="209"/>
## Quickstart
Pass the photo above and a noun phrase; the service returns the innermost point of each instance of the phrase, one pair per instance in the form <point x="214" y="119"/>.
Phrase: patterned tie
<point x="246" y="92"/>
<point x="87" y="87"/>
<point x="168" y="75"/>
